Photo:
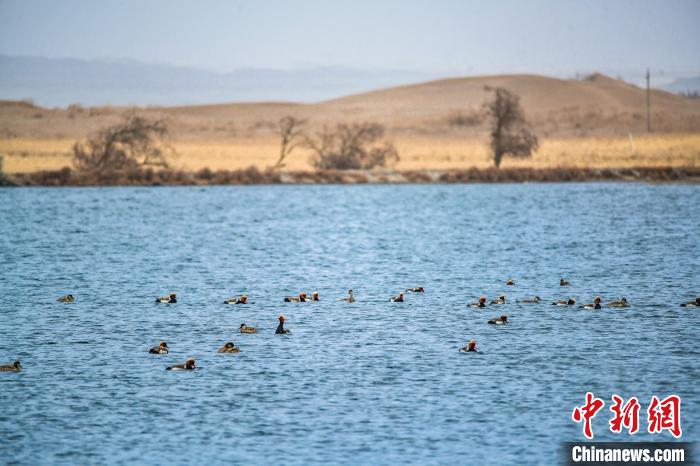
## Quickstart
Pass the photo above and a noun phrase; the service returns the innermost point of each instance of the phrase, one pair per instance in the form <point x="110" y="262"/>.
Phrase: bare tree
<point x="291" y="136"/>
<point x="510" y="132"/>
<point x="351" y="147"/>
<point x="137" y="141"/>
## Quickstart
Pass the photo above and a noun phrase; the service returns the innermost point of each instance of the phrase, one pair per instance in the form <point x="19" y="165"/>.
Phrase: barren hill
<point x="597" y="104"/>
<point x="596" y="121"/>
<point x="431" y="103"/>
<point x="538" y="93"/>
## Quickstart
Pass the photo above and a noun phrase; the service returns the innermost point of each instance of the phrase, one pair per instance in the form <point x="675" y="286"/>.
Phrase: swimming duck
<point x="188" y="366"/>
<point x="620" y="303"/>
<point x="563" y="282"/>
<point x="246" y="329"/>
<point x="510" y="282"/>
<point x="480" y="303"/>
<point x="397" y="299"/>
<point x="534" y="300"/>
<point x="470" y="348"/>
<point x="280" y="328"/>
<point x="296" y="299"/>
<point x="503" y="320"/>
<point x="229" y="348"/>
<point x="501" y="300"/>
<point x="66" y="299"/>
<point x="418" y="289"/>
<point x="350" y="298"/>
<point x="569" y="302"/>
<point x="695" y="303"/>
<point x="314" y="296"/>
<point x="14" y="367"/>
<point x="162" y="348"/>
<point x="594" y="305"/>
<point x="170" y="299"/>
<point x="243" y="299"/>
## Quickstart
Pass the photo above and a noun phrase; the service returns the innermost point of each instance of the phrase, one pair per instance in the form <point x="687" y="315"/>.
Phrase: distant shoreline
<point x="254" y="176"/>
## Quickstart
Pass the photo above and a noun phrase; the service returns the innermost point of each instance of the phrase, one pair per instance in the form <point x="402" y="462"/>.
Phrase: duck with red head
<point x="189" y="365"/>
<point x="162" y="348"/>
<point x="314" y="296"/>
<point x="242" y="299"/>
<point x="470" y="348"/>
<point x="397" y="299"/>
<point x="594" y="305"/>
<point x="302" y="298"/>
<point x="480" y="303"/>
<point x="280" y="328"/>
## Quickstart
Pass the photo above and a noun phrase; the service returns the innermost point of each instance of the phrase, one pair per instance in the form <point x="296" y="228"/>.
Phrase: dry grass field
<point x="417" y="153"/>
<point x="596" y="122"/>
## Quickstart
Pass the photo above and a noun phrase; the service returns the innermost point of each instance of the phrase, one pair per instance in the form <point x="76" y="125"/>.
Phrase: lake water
<point x="366" y="383"/>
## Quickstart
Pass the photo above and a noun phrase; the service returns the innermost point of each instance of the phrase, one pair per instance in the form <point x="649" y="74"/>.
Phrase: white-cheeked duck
<point x="247" y="329"/>
<point x="170" y="299"/>
<point x="568" y="302"/>
<point x="503" y="320"/>
<point x="695" y="303"/>
<point x="501" y="300"/>
<point x="162" y="348"/>
<point x="350" y="298"/>
<point x="229" y="348"/>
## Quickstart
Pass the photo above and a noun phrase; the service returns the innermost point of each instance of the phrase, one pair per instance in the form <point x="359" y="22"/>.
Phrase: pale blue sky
<point x="469" y="37"/>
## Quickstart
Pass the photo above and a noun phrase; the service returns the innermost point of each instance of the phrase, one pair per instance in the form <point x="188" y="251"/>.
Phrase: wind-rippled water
<point x="369" y="382"/>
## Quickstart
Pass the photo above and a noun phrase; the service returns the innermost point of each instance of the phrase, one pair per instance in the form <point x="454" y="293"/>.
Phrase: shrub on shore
<point x="351" y="147"/>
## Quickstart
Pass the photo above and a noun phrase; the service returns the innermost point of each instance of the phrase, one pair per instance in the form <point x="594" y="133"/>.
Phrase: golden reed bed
<point x="417" y="153"/>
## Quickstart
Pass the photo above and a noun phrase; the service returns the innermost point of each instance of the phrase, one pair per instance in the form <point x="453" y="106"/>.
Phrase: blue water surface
<point x="371" y="382"/>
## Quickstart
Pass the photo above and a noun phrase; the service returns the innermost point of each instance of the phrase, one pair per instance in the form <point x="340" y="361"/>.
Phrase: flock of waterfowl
<point x="230" y="347"/>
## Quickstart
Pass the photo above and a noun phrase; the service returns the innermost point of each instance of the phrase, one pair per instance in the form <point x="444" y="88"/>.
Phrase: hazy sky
<point x="470" y="37"/>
